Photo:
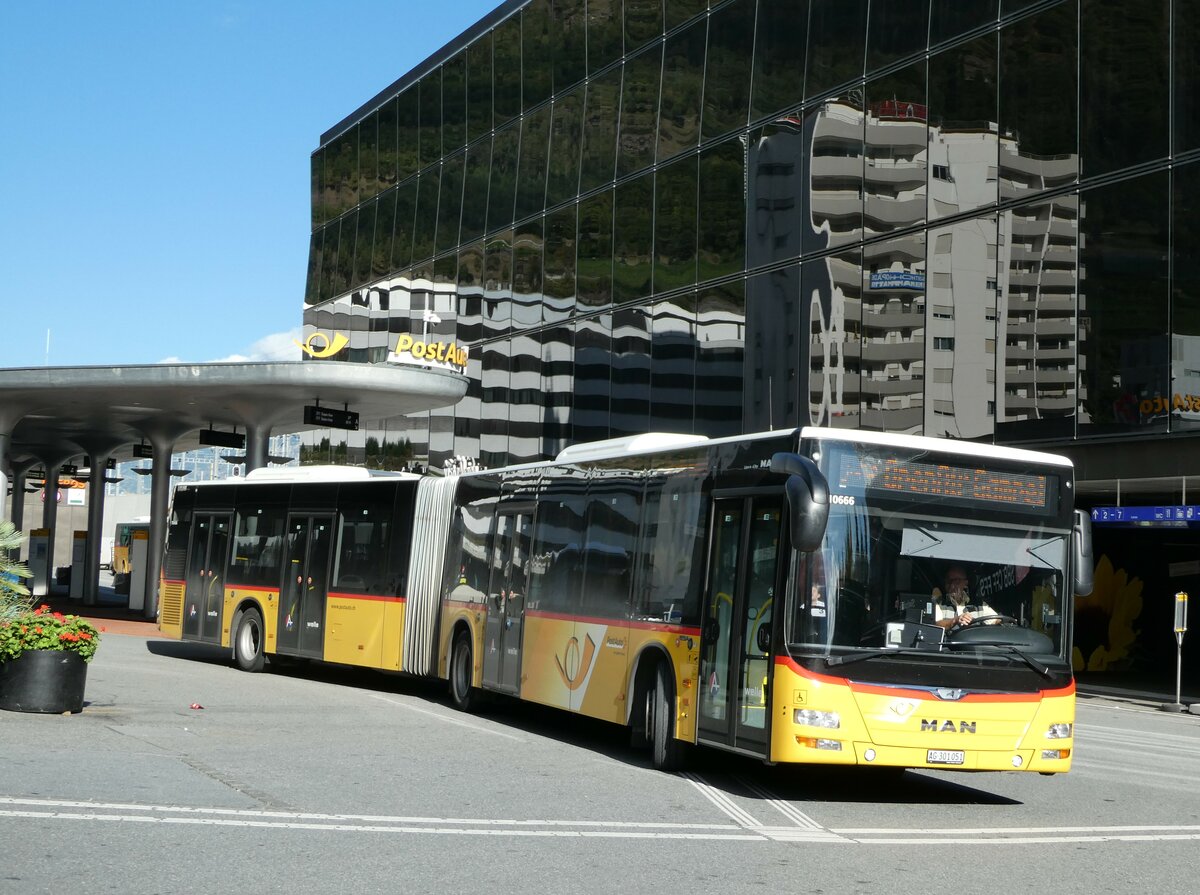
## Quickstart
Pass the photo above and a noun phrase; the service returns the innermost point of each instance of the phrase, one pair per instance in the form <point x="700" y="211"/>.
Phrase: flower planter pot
<point x="46" y="681"/>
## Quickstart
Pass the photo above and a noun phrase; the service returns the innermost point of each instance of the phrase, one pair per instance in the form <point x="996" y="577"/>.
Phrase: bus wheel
<point x="248" y="641"/>
<point x="666" y="751"/>
<point x="462" y="694"/>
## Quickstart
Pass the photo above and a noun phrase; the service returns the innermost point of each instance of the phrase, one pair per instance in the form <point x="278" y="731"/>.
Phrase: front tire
<point x="666" y="752"/>
<point x="248" y="641"/>
<point x="464" y="696"/>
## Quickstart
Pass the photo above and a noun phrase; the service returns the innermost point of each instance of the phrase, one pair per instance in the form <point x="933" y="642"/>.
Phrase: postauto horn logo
<point x="320" y="345"/>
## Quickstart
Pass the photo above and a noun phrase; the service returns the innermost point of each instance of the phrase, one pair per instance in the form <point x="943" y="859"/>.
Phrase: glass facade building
<point x="962" y="218"/>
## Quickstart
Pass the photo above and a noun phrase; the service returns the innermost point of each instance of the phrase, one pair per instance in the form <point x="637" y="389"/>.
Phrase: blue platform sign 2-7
<point x="1184" y="513"/>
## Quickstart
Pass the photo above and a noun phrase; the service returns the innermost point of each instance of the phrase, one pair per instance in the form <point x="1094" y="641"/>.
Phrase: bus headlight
<point x="1059" y="732"/>
<point x="813" y="718"/>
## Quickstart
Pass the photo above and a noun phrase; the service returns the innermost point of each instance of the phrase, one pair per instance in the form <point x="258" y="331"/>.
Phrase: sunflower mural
<point x="1104" y="631"/>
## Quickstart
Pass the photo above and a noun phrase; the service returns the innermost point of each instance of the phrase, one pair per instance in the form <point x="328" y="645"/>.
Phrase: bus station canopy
<point x="51" y="414"/>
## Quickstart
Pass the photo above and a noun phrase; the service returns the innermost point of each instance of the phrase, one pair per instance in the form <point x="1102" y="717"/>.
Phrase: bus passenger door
<point x="205" y="577"/>
<point x="301" y="627"/>
<point x="506" y="603"/>
<point x="735" y="654"/>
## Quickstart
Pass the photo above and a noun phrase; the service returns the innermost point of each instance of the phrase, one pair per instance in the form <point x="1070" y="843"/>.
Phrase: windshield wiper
<point x="1029" y="660"/>
<point x="874" y="654"/>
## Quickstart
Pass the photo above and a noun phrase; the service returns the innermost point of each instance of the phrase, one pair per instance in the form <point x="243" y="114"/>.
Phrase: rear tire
<point x="248" y="641"/>
<point x="666" y="752"/>
<point x="464" y="696"/>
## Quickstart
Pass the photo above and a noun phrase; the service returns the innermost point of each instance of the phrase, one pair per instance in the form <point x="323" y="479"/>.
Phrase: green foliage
<point x="14" y="596"/>
<point x="41" y="629"/>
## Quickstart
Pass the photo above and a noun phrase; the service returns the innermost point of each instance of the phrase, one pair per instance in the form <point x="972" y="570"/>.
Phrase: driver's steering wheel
<point x="997" y="618"/>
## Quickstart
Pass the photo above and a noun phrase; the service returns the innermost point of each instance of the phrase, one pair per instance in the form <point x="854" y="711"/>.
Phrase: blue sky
<point x="154" y="162"/>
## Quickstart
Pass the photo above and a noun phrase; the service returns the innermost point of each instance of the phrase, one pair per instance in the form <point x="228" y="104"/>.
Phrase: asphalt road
<point x="319" y="779"/>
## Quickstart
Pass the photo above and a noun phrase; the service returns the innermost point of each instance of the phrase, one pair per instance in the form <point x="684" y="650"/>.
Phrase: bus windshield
<point x="928" y="570"/>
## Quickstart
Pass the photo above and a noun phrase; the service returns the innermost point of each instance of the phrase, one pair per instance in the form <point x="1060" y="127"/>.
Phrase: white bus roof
<point x="304" y="474"/>
<point x="944" y="445"/>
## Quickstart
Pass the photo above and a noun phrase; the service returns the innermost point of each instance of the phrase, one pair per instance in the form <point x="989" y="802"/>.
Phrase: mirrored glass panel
<point x="479" y="87"/>
<point x="950" y="18"/>
<point x="961" y="330"/>
<point x="531" y="175"/>
<point x="897" y="30"/>
<point x="604" y="41"/>
<point x="329" y="259"/>
<point x="475" y="189"/>
<point x="1039" y="333"/>
<point x="837" y="33"/>
<point x="676" y="12"/>
<point x="558" y="380"/>
<point x="506" y="63"/>
<point x="633" y="238"/>
<point x="770" y="389"/>
<point x="387" y="145"/>
<point x="720" y="350"/>
<point x="776" y="188"/>
<point x="312" y="282"/>
<point x="426" y="221"/>
<point x="630" y="410"/>
<point x="673" y="364"/>
<point x="470" y="293"/>
<point x="503" y="185"/>
<point x="368" y="156"/>
<point x="341" y="170"/>
<point x="454" y="102"/>
<point x="385" y="225"/>
<point x="344" y="273"/>
<point x="527" y="275"/>
<point x="643" y="22"/>
<point x="450" y="203"/>
<point x="639" y="112"/>
<point x="537" y="53"/>
<point x="593" y="366"/>
<point x="559" y="276"/>
<point x="721" y="213"/>
<point x="727" y="72"/>
<point x="893" y="357"/>
<point x="406" y="212"/>
<point x="1123" y="307"/>
<point x="1123" y="118"/>
<point x="682" y="85"/>
<point x="600" y="131"/>
<point x="527" y="400"/>
<point x="408" y="121"/>
<point x="497" y="285"/>
<point x="468" y="412"/>
<point x="836" y="326"/>
<point x="780" y="40"/>
<point x="493" y="429"/>
<point x="1186" y="77"/>
<point x="566" y="130"/>
<point x="595" y="266"/>
<point x="429" y="91"/>
<point x="896" y="151"/>
<point x="1039" y="147"/>
<point x="569" y="35"/>
<point x="834" y="129"/>
<point x="1185" y="300"/>
<point x="675" y="225"/>
<point x="964" y="152"/>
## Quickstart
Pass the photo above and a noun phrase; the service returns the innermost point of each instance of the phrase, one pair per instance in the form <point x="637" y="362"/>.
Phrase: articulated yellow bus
<point x="776" y="595"/>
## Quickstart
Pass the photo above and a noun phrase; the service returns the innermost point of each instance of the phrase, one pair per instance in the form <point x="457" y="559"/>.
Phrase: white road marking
<point x="727" y="805"/>
<point x="458" y="721"/>
<point x="787" y="809"/>
<point x="284" y="820"/>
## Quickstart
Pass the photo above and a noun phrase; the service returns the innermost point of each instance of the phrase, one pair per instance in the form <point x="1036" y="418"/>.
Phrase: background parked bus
<point x="122" y="551"/>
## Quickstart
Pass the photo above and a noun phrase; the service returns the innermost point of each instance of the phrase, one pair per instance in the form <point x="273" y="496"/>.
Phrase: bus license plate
<point x="945" y="756"/>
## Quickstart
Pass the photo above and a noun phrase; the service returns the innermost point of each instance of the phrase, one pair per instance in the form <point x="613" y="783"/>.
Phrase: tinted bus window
<point x="364" y="537"/>
<point x="257" y="542"/>
<point x="614" y="508"/>
<point x="556" y="567"/>
<point x="674" y="532"/>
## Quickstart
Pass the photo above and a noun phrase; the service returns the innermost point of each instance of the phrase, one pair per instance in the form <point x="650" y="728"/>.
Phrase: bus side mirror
<point x="807" y="497"/>
<point x="1081" y="543"/>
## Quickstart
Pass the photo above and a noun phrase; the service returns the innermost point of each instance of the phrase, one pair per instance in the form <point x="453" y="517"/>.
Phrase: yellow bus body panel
<point x="170" y="608"/>
<point x="916" y="729"/>
<point x="355" y="629"/>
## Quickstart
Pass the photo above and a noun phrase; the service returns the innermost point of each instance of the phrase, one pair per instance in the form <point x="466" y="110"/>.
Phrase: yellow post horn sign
<point x="320" y="345"/>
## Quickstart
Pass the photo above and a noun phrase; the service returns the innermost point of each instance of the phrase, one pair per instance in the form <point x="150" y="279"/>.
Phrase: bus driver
<point x="950" y="606"/>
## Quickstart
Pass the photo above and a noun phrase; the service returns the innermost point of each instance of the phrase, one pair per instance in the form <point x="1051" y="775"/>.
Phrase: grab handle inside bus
<point x="1081" y="542"/>
<point x="807" y="497"/>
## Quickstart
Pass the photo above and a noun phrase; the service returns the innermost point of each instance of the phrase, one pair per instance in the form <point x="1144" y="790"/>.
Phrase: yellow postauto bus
<point x="776" y="595"/>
